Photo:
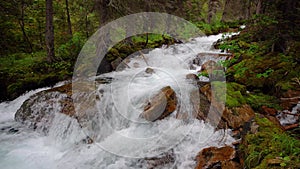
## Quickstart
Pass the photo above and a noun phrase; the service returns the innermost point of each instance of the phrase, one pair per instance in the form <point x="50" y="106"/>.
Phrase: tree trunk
<point x="212" y="9"/>
<point x="22" y="25"/>
<point x="248" y="13"/>
<point x="104" y="11"/>
<point x="69" y="19"/>
<point x="49" y="31"/>
<point x="259" y="7"/>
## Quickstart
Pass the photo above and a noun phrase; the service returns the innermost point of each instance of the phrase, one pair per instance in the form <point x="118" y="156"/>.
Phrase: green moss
<point x="270" y="142"/>
<point x="256" y="100"/>
<point x="234" y="97"/>
<point x="230" y="93"/>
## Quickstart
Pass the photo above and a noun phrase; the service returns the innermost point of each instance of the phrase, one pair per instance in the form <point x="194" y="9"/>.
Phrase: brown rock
<point x="213" y="155"/>
<point x="230" y="165"/>
<point x="202" y="56"/>
<point x="196" y="103"/>
<point x="233" y="117"/>
<point x="269" y="111"/>
<point x="192" y="76"/>
<point x="149" y="70"/>
<point x="237" y="116"/>
<point x="274" y="161"/>
<point x="275" y="121"/>
<point x="161" y="105"/>
<point x="209" y="66"/>
<point x="116" y="63"/>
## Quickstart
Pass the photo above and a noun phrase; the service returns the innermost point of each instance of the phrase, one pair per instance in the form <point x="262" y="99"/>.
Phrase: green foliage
<point x="71" y="49"/>
<point x="137" y="43"/>
<point x="28" y="71"/>
<point x="205" y="74"/>
<point x="270" y="142"/>
<point x="237" y="95"/>
<point x="234" y="95"/>
<point x="256" y="100"/>
<point x="265" y="74"/>
<point x="214" y="28"/>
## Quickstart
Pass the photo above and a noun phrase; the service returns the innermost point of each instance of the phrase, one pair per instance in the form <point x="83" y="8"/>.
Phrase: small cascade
<point x="120" y="137"/>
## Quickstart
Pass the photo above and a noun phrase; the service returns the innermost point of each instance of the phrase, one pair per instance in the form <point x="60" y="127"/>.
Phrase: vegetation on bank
<point x="270" y="147"/>
<point x="266" y="67"/>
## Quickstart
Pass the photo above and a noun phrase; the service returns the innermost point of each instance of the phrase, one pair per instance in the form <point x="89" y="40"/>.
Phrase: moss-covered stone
<point x="270" y="142"/>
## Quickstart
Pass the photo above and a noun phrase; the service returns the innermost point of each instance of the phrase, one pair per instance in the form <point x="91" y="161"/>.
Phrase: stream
<point x="122" y="140"/>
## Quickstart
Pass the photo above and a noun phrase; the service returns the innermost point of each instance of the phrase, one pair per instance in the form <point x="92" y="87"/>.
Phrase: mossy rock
<point x="234" y="93"/>
<point x="270" y="142"/>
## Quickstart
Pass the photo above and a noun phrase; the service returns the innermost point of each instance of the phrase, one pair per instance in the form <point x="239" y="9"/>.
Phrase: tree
<point x="213" y="5"/>
<point x="69" y="19"/>
<point x="49" y="31"/>
<point x="22" y="25"/>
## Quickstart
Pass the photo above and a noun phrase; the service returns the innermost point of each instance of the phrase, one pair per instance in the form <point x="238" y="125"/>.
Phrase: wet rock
<point x="160" y="161"/>
<point x="149" y="70"/>
<point x="13" y="130"/>
<point x="213" y="70"/>
<point x="39" y="110"/>
<point x="233" y="117"/>
<point x="209" y="66"/>
<point x="104" y="66"/>
<point x="192" y="76"/>
<point x="201" y="57"/>
<point x="214" y="157"/>
<point x="88" y="140"/>
<point x="161" y="105"/>
<point x="104" y="80"/>
<point x="116" y="63"/>
<point x="196" y="109"/>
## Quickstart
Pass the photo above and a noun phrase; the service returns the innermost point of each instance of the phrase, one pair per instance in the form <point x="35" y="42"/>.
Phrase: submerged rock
<point x="161" y="105"/>
<point x="161" y="161"/>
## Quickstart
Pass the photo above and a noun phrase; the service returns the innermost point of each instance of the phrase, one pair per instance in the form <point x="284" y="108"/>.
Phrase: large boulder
<point x="237" y="116"/>
<point x="220" y="114"/>
<point x="39" y="110"/>
<point x="161" y="105"/>
<point x="214" y="157"/>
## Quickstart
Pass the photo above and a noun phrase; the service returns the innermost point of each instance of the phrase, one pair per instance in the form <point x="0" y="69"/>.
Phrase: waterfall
<point x="121" y="138"/>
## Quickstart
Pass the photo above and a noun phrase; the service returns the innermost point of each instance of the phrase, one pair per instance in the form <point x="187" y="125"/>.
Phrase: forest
<point x="41" y="40"/>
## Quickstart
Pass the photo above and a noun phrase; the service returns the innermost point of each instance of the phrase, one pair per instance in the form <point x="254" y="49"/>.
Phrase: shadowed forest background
<point x="41" y="39"/>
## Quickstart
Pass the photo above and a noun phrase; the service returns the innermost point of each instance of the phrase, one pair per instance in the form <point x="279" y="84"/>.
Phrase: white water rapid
<point x="119" y="142"/>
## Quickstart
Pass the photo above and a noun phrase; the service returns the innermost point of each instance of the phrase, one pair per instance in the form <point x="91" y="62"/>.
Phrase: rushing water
<point x="121" y="138"/>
